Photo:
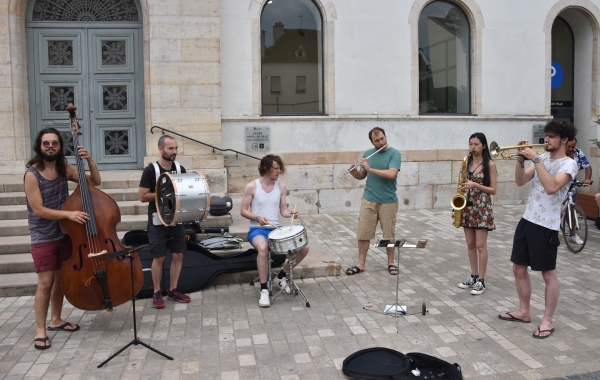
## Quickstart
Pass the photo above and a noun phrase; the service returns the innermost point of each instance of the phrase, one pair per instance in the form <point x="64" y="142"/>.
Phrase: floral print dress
<point x="480" y="214"/>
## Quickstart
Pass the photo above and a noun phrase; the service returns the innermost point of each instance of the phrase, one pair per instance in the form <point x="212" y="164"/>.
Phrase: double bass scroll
<point x="91" y="279"/>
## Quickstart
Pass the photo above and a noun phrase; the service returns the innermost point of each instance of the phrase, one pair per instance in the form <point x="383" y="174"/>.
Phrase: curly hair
<point x="38" y="161"/>
<point x="561" y="128"/>
<point x="266" y="163"/>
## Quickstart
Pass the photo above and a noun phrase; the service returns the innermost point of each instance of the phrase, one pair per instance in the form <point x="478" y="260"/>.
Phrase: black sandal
<point x="353" y="270"/>
<point x="40" y="347"/>
<point x="393" y="270"/>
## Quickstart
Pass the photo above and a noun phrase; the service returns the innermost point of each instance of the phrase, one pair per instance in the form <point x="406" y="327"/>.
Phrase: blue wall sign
<point x="556" y="74"/>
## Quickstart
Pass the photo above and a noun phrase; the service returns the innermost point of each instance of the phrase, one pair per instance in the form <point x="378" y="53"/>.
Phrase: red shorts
<point x="51" y="255"/>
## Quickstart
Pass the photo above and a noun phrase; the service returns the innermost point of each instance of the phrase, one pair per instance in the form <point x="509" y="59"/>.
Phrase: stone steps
<point x="17" y="275"/>
<point x="316" y="264"/>
<point x="119" y="195"/>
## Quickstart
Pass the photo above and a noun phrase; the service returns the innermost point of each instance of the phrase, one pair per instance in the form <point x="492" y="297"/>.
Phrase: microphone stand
<point x="135" y="341"/>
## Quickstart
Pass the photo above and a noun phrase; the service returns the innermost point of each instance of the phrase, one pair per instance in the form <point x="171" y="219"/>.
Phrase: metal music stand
<point x="400" y="243"/>
<point x="135" y="341"/>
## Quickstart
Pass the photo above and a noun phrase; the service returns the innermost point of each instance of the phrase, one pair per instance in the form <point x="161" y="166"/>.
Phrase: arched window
<point x="291" y="58"/>
<point x="444" y="60"/>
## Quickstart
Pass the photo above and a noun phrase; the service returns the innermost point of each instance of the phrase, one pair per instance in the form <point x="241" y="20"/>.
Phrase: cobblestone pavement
<point x="223" y="334"/>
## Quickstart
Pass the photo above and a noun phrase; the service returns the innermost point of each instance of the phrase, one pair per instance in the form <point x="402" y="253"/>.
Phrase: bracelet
<point x="256" y="218"/>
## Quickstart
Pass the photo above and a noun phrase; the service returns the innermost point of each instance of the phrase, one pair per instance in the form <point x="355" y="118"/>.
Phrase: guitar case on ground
<point x="200" y="266"/>
<point x="379" y="363"/>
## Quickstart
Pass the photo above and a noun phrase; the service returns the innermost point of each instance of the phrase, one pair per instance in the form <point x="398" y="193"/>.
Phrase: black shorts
<point x="535" y="246"/>
<point x="158" y="237"/>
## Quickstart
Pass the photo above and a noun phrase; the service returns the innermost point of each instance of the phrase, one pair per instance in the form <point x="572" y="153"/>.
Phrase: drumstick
<point x="292" y="222"/>
<point x="271" y="224"/>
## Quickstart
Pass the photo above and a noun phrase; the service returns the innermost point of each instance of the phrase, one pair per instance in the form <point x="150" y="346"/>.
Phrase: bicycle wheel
<point x="576" y="235"/>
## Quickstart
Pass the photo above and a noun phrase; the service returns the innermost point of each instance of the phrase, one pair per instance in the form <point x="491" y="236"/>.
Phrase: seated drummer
<point x="264" y="199"/>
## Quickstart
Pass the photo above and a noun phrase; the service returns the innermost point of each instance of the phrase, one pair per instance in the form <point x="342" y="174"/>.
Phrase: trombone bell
<point x="504" y="151"/>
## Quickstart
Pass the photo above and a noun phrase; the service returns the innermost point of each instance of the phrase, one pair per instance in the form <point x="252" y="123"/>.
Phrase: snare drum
<point x="284" y="240"/>
<point x="182" y="198"/>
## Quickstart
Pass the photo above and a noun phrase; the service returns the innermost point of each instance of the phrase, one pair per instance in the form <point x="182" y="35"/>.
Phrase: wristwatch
<point x="536" y="160"/>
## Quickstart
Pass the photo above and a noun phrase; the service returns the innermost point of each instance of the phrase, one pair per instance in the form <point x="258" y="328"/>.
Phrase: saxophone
<point x="459" y="201"/>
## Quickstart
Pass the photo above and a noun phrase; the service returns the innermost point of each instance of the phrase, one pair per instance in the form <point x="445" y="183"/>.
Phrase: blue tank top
<point x="54" y="194"/>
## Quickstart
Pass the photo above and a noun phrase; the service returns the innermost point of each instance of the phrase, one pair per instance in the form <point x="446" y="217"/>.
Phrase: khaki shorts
<point x="370" y="214"/>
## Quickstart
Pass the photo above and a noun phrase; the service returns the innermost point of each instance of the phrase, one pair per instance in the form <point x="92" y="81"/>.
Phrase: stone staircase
<point x="17" y="273"/>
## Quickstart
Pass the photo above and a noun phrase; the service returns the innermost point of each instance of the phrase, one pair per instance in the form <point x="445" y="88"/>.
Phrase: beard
<point x="169" y="157"/>
<point x="50" y="157"/>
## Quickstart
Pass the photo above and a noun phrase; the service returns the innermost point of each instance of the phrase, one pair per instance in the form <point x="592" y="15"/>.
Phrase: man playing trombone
<point x="536" y="240"/>
<point x="379" y="201"/>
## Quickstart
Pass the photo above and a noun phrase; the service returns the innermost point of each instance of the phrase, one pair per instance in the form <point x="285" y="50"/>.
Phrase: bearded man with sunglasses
<point x="46" y="190"/>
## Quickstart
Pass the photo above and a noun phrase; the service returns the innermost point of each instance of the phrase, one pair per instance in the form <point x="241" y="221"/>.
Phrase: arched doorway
<point x="562" y="71"/>
<point x="89" y="53"/>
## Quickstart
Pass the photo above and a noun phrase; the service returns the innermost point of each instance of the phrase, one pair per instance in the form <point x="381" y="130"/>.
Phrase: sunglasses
<point x="54" y="144"/>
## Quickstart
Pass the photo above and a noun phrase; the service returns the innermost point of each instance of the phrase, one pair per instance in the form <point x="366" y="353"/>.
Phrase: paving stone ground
<point x="223" y="334"/>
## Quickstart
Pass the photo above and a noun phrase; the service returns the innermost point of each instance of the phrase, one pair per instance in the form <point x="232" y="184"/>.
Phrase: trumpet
<point x="498" y="151"/>
<point x="358" y="164"/>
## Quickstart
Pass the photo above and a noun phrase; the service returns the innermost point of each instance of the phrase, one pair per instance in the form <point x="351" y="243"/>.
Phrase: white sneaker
<point x="468" y="283"/>
<point x="264" y="300"/>
<point x="575" y="239"/>
<point x="283" y="285"/>
<point x="478" y="288"/>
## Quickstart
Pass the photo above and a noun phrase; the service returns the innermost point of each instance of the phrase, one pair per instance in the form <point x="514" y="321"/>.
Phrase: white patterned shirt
<point x="543" y="209"/>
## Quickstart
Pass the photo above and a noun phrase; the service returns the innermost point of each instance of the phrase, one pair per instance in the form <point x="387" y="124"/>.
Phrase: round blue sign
<point x="556" y="74"/>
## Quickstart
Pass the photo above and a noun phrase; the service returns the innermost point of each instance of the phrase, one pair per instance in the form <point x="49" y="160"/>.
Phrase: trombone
<point x="499" y="151"/>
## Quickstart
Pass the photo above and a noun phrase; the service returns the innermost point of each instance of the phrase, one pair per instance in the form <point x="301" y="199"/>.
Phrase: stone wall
<point x="427" y="179"/>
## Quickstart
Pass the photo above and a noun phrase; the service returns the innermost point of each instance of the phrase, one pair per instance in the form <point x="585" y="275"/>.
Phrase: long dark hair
<point x="38" y="160"/>
<point x="486" y="157"/>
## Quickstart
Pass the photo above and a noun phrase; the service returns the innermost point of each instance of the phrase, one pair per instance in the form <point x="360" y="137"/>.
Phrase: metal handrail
<point x="200" y="142"/>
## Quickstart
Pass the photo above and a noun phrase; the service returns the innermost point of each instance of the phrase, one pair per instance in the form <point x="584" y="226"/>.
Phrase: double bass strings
<point x="91" y="228"/>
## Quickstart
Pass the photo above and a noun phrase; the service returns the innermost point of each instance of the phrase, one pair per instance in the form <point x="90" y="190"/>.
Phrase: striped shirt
<point x="54" y="194"/>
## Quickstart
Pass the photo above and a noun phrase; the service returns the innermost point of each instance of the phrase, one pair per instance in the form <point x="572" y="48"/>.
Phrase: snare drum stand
<point x="294" y="289"/>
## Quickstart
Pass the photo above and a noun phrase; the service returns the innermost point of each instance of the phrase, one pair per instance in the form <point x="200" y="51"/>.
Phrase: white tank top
<point x="266" y="204"/>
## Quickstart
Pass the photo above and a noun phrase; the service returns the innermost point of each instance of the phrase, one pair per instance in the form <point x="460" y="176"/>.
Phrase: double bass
<point x="93" y="279"/>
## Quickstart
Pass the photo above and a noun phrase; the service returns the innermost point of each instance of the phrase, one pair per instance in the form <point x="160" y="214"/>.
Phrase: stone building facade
<point x="199" y="74"/>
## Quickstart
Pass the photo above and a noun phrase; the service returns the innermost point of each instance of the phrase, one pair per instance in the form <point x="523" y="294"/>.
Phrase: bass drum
<point x="182" y="198"/>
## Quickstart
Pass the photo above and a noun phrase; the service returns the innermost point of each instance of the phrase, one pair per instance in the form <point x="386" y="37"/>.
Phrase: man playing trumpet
<point x="536" y="237"/>
<point x="379" y="202"/>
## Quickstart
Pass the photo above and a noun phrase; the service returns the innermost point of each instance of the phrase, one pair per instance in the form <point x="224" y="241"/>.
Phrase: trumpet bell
<point x="494" y="149"/>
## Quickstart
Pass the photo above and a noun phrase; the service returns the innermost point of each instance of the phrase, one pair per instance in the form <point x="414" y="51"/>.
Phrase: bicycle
<point x="573" y="222"/>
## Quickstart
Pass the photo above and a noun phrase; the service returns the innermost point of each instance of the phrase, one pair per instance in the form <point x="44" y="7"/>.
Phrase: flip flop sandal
<point x="512" y="318"/>
<point x="353" y="270"/>
<point x="393" y="269"/>
<point x="39" y="347"/>
<point x="538" y="331"/>
<point x="63" y="327"/>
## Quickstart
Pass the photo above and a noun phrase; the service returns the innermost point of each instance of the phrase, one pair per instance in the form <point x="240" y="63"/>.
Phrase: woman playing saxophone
<point x="478" y="216"/>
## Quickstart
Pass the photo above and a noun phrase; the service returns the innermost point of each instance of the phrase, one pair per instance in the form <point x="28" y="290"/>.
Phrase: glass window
<point x="275" y="85"/>
<point x="301" y="84"/>
<point x="444" y="60"/>
<point x="291" y="57"/>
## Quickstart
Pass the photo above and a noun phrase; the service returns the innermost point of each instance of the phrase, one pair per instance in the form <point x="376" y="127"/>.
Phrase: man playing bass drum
<point x="158" y="235"/>
<point x="46" y="190"/>
<point x="380" y="201"/>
